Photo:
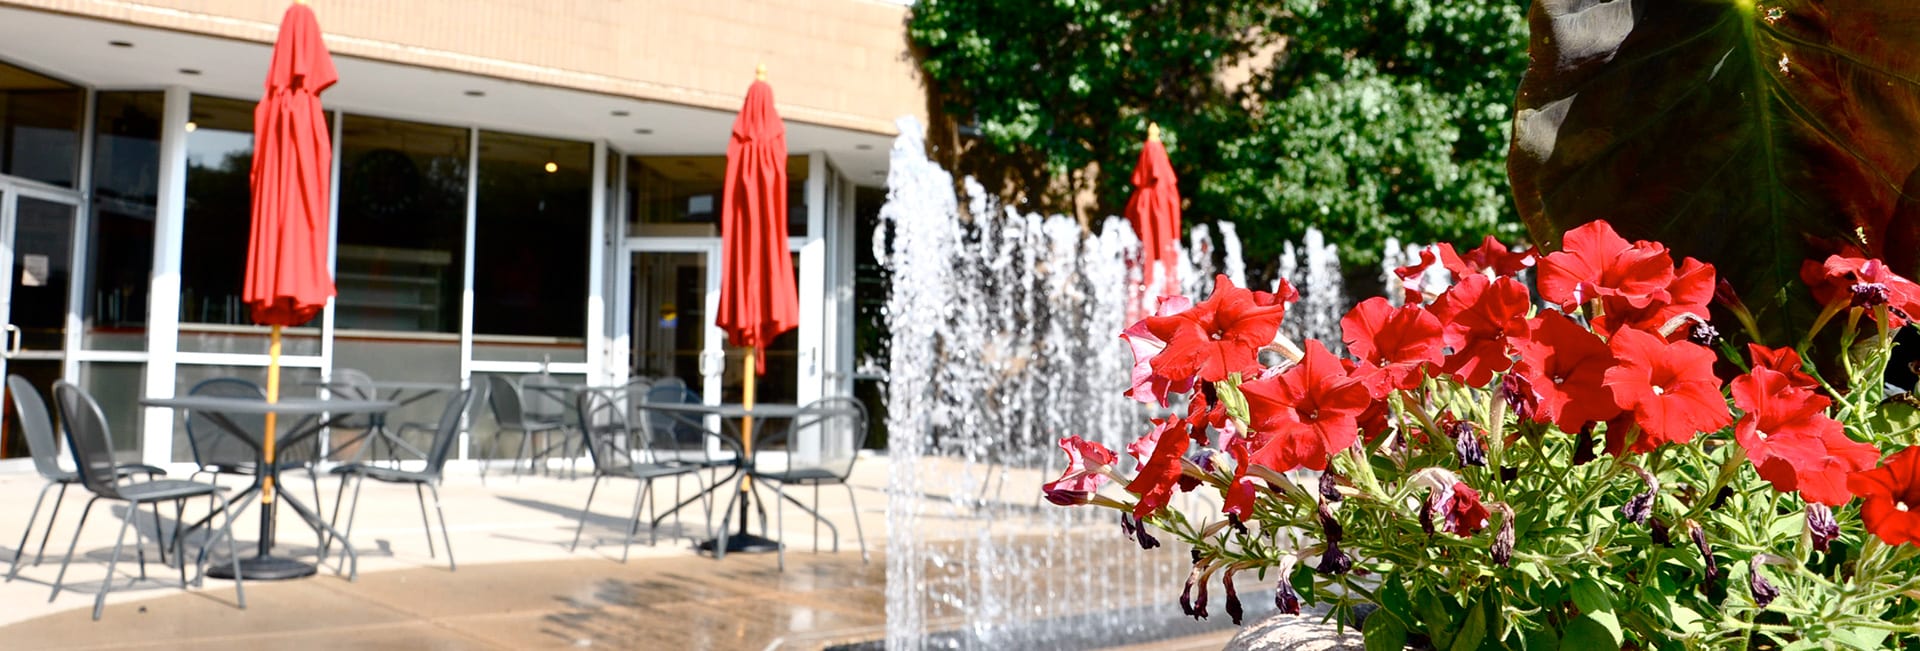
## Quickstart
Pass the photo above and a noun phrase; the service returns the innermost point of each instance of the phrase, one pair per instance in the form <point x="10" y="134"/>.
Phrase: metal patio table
<point x="730" y="415"/>
<point x="399" y="392"/>
<point x="264" y="565"/>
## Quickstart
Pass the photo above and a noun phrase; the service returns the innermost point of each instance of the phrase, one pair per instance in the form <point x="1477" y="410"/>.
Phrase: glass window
<point x="126" y="186"/>
<point x="402" y="232"/>
<point x="680" y="195"/>
<point x="40" y="127"/>
<point x="218" y="212"/>
<point x="531" y="237"/>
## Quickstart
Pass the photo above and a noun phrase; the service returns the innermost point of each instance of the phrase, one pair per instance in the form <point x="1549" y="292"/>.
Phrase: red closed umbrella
<point x="287" y="278"/>
<point x="1154" y="211"/>
<point x="758" y="300"/>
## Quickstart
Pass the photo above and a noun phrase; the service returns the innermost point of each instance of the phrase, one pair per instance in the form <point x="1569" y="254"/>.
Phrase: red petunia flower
<point x="1862" y="282"/>
<point x="1565" y="366"/>
<point x="1392" y="341"/>
<point x="1085" y="460"/>
<point x="1491" y="256"/>
<point x="1479" y="315"/>
<point x="1148" y="386"/>
<point x="1305" y="414"/>
<point x="1791" y="441"/>
<point x="1413" y="277"/>
<point x="1595" y="262"/>
<point x="1220" y="336"/>
<point x="1689" y="294"/>
<point x="1457" y="510"/>
<point x="1242" y="492"/>
<point x="1162" y="472"/>
<point x="1889" y="495"/>
<point x="1669" y="387"/>
<point x="1785" y="361"/>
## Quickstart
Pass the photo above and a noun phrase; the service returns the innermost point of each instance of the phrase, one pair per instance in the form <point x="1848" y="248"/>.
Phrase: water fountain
<point x="1004" y="339"/>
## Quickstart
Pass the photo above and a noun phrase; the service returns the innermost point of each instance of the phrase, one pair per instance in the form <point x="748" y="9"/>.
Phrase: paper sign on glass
<point x="33" y="270"/>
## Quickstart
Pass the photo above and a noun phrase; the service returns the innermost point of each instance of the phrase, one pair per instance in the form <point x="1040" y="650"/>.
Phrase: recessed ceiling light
<point x="644" y="132"/>
<point x="622" y="114"/>
<point x="476" y="93"/>
<point x="552" y="167"/>
<point x="191" y="127"/>
<point x="863" y="147"/>
<point x="120" y="43"/>
<point x="190" y="72"/>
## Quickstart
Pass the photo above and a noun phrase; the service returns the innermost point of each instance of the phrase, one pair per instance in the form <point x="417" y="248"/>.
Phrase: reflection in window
<point x="403" y="206"/>
<point x="39" y="127"/>
<point x="126" y="173"/>
<point x="531" y="236"/>
<point x="219" y="211"/>
<point x="680" y="195"/>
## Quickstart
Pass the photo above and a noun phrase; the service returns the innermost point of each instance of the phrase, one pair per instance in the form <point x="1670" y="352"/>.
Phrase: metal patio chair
<point x="509" y="413"/>
<point x="841" y="425"/>
<point x="616" y="452"/>
<point x="92" y="446"/>
<point x="45" y="448"/>
<point x="445" y="435"/>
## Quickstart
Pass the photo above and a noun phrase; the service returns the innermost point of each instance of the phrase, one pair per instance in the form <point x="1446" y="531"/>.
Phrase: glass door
<point x="37" y="227"/>
<point x="673" y="296"/>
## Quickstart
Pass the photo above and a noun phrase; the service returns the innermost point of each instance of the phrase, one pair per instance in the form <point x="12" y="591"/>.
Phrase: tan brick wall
<point x="833" y="62"/>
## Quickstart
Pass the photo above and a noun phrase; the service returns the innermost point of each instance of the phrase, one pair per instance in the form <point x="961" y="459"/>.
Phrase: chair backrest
<point x="604" y="422"/>
<point x="666" y="431"/>
<point x="542" y="404"/>
<point x="88" y="438"/>
<point x="353" y="384"/>
<point x="839" y="425"/>
<point x="504" y="397"/>
<point x="38" y="425"/>
<point x="447" y="432"/>
<point x="212" y="444"/>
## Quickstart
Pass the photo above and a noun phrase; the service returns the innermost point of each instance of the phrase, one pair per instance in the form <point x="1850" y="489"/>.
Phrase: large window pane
<point x="403" y="198"/>
<point x="213" y="252"/>
<point x="680" y="195"/>
<point x="531" y="237"/>
<point x="39" y="127"/>
<point x="126" y="186"/>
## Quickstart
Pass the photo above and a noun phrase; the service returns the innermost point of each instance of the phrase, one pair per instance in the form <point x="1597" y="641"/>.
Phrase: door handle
<point x="13" y="340"/>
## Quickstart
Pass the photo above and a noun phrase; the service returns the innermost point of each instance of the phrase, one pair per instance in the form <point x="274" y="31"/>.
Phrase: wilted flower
<point x="1821" y="526"/>
<point x="1657" y="532"/>
<point x="1233" y="597"/>
<point x="1640" y="507"/>
<point x="1467" y="445"/>
<point x="1583" y="446"/>
<point x="1502" y="550"/>
<point x="1329" y="487"/>
<point x="1457" y="509"/>
<point x="1285" y="599"/>
<point x="1870" y="294"/>
<point x="1699" y="536"/>
<point x="1763" y="591"/>
<point x="1334" y="560"/>
<point x="1703" y="333"/>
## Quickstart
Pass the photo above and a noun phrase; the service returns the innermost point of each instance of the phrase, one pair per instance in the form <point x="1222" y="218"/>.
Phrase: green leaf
<point x="1858" y="637"/>
<point x="1688" y="620"/>
<point x="1733" y="131"/>
<point x="1591" y="632"/>
<point x="1385" y="634"/>
<point x="1591" y="597"/>
<point x="1394" y="600"/>
<point x="1472" y="631"/>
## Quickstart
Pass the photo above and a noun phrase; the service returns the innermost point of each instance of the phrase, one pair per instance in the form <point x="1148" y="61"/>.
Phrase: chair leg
<point x="816" y="523"/>
<point x="233" y="551"/>
<point x="444" y="536"/>
<point x="159" y="534"/>
<point x="21" y="549"/>
<point x="585" y="511"/>
<point x="41" y="554"/>
<point x="60" y="578"/>
<point x="179" y="516"/>
<point x="424" y="522"/>
<point x="333" y="523"/>
<point x="100" y="600"/>
<point x="861" y="535"/>
<point x="653" y="515"/>
<point x="633" y="525"/>
<point x="355" y="509"/>
<point x="780" y="514"/>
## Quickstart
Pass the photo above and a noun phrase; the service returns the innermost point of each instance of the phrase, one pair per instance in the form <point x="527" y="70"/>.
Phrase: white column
<point x="620" y="348"/>
<point x="466" y="283"/>
<point x="163" y="292"/>
<point x="813" y="326"/>
<point x="596" y="270"/>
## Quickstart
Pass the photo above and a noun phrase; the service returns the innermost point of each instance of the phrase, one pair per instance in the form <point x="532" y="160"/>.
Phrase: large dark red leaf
<point x="1749" y="135"/>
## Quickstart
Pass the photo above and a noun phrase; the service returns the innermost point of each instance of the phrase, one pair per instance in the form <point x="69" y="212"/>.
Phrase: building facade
<point x="520" y="188"/>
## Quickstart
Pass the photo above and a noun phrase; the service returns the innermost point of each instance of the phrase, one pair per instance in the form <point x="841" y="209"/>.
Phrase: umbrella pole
<point x="746" y="435"/>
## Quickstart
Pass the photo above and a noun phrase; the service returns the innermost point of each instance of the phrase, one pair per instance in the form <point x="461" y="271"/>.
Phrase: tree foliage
<point x="1367" y="118"/>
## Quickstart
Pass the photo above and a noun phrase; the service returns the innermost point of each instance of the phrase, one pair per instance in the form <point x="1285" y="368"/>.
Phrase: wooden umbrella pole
<point x="746" y="424"/>
<point x="273" y="395"/>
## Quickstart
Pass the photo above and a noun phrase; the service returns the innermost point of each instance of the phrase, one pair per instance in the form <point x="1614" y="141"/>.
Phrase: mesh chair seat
<point x="801" y="476"/>
<point x="165" y="489"/>
<point x="129" y="470"/>
<point x="391" y="475"/>
<point x="649" y="470"/>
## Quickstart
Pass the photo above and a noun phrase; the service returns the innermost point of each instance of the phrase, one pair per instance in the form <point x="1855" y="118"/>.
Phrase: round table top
<point x="230" y="405"/>
<point x="731" y="410"/>
<point x="401" y="385"/>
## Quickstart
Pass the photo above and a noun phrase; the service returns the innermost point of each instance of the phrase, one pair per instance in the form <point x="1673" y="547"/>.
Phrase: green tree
<point x="1367" y="118"/>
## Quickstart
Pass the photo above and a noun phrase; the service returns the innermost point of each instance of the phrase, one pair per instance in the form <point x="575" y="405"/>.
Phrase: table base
<point x="744" y="543"/>
<point x="264" y="568"/>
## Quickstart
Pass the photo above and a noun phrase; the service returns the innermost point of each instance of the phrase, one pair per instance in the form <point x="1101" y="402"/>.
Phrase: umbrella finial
<point x="299" y="2"/>
<point x="760" y="73"/>
<point x="1153" y="132"/>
